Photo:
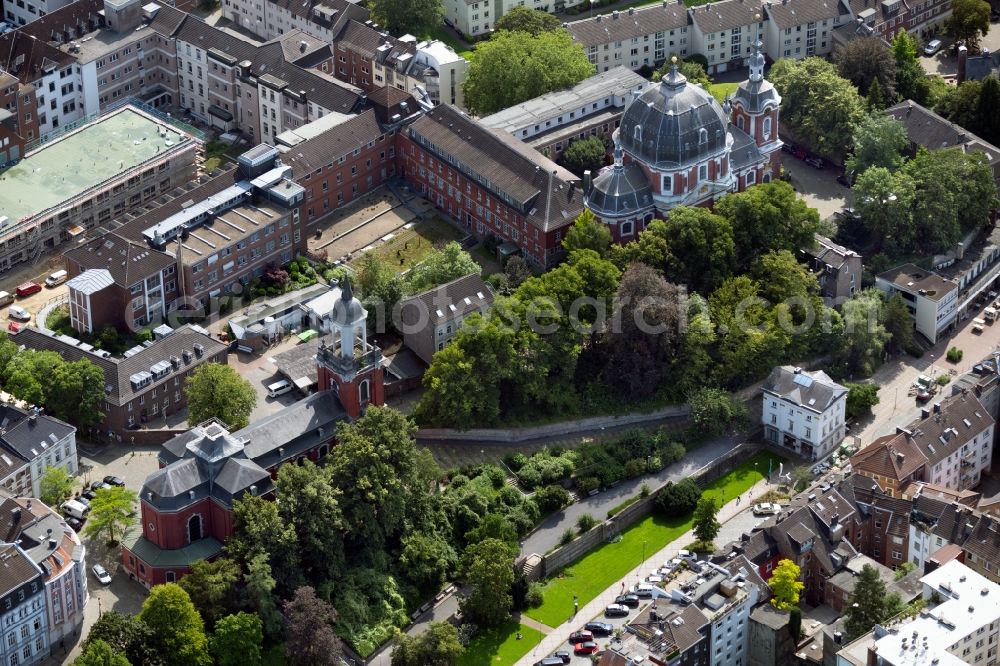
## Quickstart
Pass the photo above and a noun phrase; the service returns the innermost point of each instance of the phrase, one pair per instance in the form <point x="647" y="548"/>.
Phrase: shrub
<point x="610" y="473"/>
<point x="535" y="595"/>
<point x="954" y="355"/>
<point x="678" y="499"/>
<point x="672" y="452"/>
<point x="587" y="484"/>
<point x="530" y="476"/>
<point x="635" y="467"/>
<point x="515" y="460"/>
<point x="566" y="537"/>
<point x="943" y="380"/>
<point x="551" y="498"/>
<point x="467" y="632"/>
<point x="644" y="490"/>
<point x="585" y="523"/>
<point x="495" y="475"/>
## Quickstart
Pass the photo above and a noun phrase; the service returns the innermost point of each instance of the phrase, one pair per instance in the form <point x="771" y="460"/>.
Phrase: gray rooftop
<point x="812" y="390"/>
<point x="91" y="281"/>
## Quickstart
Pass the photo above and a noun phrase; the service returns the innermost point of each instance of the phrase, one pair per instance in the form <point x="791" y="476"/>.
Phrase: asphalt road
<point x="546" y="536"/>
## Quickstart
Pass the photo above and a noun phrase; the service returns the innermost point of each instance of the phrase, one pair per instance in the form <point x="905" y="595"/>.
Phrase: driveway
<point x="546" y="536"/>
<point x="819" y="188"/>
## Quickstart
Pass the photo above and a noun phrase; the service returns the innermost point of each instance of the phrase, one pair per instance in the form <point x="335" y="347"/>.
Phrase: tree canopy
<point x="969" y="21"/>
<point x="869" y="604"/>
<point x="526" y="19"/>
<point x="400" y="17"/>
<point x="706" y="525"/>
<point x="178" y="629"/>
<point x="449" y="263"/>
<point x="99" y="653"/>
<point x="309" y="636"/>
<point x="112" y="511"/>
<point x="860" y="399"/>
<point x="585" y="155"/>
<point x="821" y="107"/>
<point x="217" y="391"/>
<point x="512" y="67"/>
<point x="237" y="640"/>
<point x="489" y="569"/>
<point x="437" y="646"/>
<point x="785" y="585"/>
<point x="212" y="588"/>
<point x="587" y="233"/>
<point x="878" y="140"/>
<point x="56" y="486"/>
<point x="866" y="60"/>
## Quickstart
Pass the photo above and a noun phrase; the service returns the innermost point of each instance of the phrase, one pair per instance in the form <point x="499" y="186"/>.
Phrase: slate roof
<point x="296" y="428"/>
<point x="547" y="192"/>
<point x="928" y="129"/>
<point x="320" y="150"/>
<point x="33" y="434"/>
<point x="792" y="13"/>
<point x="961" y="418"/>
<point x="153" y="555"/>
<point x="29" y="58"/>
<point x="984" y="541"/>
<point x="125" y="261"/>
<point x="726" y="15"/>
<point x="605" y="28"/>
<point x="449" y="301"/>
<point x="16" y="569"/>
<point x="828" y="252"/>
<point x="745" y="151"/>
<point x="342" y="10"/>
<point x="810" y="390"/>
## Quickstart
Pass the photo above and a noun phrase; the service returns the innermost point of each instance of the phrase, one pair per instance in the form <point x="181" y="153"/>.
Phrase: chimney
<point x="872" y="656"/>
<point x="925" y="413"/>
<point x="587" y="182"/>
<point x="15" y="515"/>
<point x="963" y="57"/>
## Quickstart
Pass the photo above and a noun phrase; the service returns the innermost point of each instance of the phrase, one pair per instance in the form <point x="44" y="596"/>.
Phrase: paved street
<point x="547" y="535"/>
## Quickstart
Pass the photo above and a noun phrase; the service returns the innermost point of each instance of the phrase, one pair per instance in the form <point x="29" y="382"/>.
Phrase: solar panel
<point x="803" y="380"/>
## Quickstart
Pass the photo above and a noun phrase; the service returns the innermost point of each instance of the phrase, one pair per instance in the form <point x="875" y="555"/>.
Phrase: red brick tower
<point x="351" y="366"/>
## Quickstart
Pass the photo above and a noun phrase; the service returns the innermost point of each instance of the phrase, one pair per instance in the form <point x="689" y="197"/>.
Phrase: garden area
<point x="602" y="567"/>
<point x="107" y="338"/>
<point x="412" y="244"/>
<point x="500" y="645"/>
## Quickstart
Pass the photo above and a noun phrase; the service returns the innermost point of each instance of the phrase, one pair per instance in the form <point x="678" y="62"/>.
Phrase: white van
<point x="56" y="279"/>
<point x="18" y="313"/>
<point x="279" y="388"/>
<point x="75" y="509"/>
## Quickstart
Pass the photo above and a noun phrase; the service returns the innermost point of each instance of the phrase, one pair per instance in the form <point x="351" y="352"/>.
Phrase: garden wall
<point x="565" y="555"/>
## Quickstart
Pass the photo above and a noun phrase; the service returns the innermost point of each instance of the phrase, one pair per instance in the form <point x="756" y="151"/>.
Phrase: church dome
<point x="756" y="93"/>
<point x="348" y="309"/>
<point x="620" y="191"/>
<point x="673" y="123"/>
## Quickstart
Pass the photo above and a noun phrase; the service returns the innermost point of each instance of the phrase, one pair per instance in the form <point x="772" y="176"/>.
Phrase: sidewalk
<point x="596" y="606"/>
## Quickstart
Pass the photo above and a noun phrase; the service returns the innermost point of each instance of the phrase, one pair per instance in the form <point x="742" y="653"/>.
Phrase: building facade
<point x="837" y="269"/>
<point x="804" y="411"/>
<point x="430" y="320"/>
<point x="22" y="608"/>
<point x="33" y="442"/>
<point x="931" y="300"/>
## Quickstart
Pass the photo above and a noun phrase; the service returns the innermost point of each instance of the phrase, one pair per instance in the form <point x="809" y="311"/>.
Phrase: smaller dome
<point x="755" y="96"/>
<point x="619" y="191"/>
<point x="348" y="309"/>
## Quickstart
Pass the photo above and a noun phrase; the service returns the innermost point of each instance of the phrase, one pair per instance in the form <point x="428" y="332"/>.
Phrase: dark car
<point x="600" y="628"/>
<point x="844" y="180"/>
<point x="815" y="162"/>
<point x="84" y="501"/>
<point x="565" y="656"/>
<point x="114" y="481"/>
<point x="74" y="523"/>
<point x="788" y="147"/>
<point x="580" y="637"/>
<point x="630" y="600"/>
<point x="550" y="661"/>
<point x="616" y="610"/>
<point x="590" y="647"/>
<point x="847" y="214"/>
<point x="88" y="494"/>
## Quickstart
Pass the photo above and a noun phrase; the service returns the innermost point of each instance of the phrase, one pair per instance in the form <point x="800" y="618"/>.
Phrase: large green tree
<point x="884" y="199"/>
<point x="489" y="571"/>
<point x="427" y="559"/>
<point x="381" y="288"/>
<point x="212" y="588"/>
<point x="819" y="106"/>
<point x="399" y="17"/>
<point x="99" y="653"/>
<point x="860" y="399"/>
<point x="74" y="392"/>
<point x="178" y="629"/>
<point x="259" y="595"/>
<point x="526" y="19"/>
<point x="702" y="249"/>
<point x="112" y="512"/>
<point x="310" y="504"/>
<point x="898" y="322"/>
<point x="706" y="524"/>
<point x="513" y="67"/>
<point x="217" y="391"/>
<point x="867" y="60"/>
<point x="878" y="140"/>
<point x="127" y="635"/>
<point x="585" y="155"/>
<point x="438" y="645"/>
<point x="911" y="79"/>
<point x="309" y="636"/>
<point x="869" y="604"/>
<point x="987" y="123"/>
<point x="715" y="411"/>
<point x="785" y="585"/>
<point x="260" y="531"/>
<point x="587" y="233"/>
<point x="449" y="263"/>
<point x="237" y="640"/>
<point x="56" y="486"/>
<point x="865" y="334"/>
<point x="969" y="21"/>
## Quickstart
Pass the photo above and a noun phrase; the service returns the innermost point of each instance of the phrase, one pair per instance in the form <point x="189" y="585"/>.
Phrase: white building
<point x="963" y="629"/>
<point x="956" y="436"/>
<point x="931" y="299"/>
<point x="23" y="617"/>
<point x="444" y="72"/>
<point x="30" y="443"/>
<point x="804" y="411"/>
<point x="727" y="605"/>
<point x="639" y="37"/>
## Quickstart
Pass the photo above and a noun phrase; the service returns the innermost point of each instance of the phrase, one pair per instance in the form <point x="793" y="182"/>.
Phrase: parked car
<point x="799" y="153"/>
<point x="89" y="494"/>
<point x="932" y="47"/>
<point x="766" y="509"/>
<point x="630" y="600"/>
<point x="580" y="637"/>
<point x="18" y="313"/>
<point x="84" y="501"/>
<point x="815" y="162"/>
<point x="114" y="481"/>
<point x="14" y="327"/>
<point x="101" y="574"/>
<point x="844" y="180"/>
<point x="600" y="628"/>
<point x="923" y="396"/>
<point x="75" y="523"/>
<point x="787" y="147"/>
<point x="564" y="656"/>
<point x="590" y="647"/>
<point x="847" y="214"/>
<point x="616" y="610"/>
<point x="27" y="289"/>
<point x="56" y="279"/>
<point x="550" y="661"/>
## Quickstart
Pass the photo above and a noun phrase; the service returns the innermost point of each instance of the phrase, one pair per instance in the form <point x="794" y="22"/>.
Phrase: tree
<point x="310" y="504"/>
<point x="785" y="585"/>
<point x="866" y="60"/>
<point x="517" y="270"/>
<point x="969" y="21"/>
<point x="259" y="530"/>
<point x="706" y="525"/>
<point x="869" y="604"/>
<point x="381" y="289"/>
<point x="821" y="107"/>
<point x="441" y="266"/>
<point x="714" y="411"/>
<point x="400" y="17"/>
<point x="693" y="71"/>
<point x="702" y="249"/>
<point x="587" y="233"/>
<point x="212" y="587"/>
<point x="309" y="636"/>
<point x="259" y="596"/>
<point x="217" y="391"/>
<point x="987" y="124"/>
<point x="911" y="79"/>
<point x="178" y="629"/>
<point x="112" y="511"/>
<point x="489" y="571"/>
<point x="127" y="635"/>
<point x="898" y="322"/>
<point x="585" y="155"/>
<point x="884" y="201"/>
<point x="860" y="399"/>
<point x="56" y="486"/>
<point x="878" y="140"/>
<point x="74" y="392"/>
<point x="525" y="19"/>
<point x="438" y="645"/>
<point x="99" y="653"/>
<point x="513" y="67"/>
<point x="783" y="277"/>
<point x="864" y="334"/>
<point x="427" y="559"/>
<point x="551" y="498"/>
<point x="237" y="640"/>
<point x="875" y="99"/>
<point x="678" y="499"/>
<point x="770" y="216"/>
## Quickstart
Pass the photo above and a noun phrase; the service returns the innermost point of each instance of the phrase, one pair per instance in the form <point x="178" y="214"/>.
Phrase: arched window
<point x="364" y="391"/>
<point x="767" y="128"/>
<point x="767" y="177"/>
<point x="637" y="133"/>
<point x="739" y="121"/>
<point x="703" y="135"/>
<point x="194" y="528"/>
<point x="627" y="228"/>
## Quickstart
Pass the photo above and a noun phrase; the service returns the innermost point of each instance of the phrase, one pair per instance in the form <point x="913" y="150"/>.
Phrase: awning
<point x="75" y="230"/>
<point x="306" y="336"/>
<point x="219" y="112"/>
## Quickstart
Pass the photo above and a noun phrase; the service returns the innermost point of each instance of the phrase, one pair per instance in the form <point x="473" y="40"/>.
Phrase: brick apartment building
<point x="18" y="117"/>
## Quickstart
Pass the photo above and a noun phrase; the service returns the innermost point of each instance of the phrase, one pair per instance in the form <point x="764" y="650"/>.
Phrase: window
<point x="767" y="128"/>
<point x="703" y="172"/>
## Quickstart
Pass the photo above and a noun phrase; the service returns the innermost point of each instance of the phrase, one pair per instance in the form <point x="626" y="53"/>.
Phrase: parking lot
<point x="818" y="187"/>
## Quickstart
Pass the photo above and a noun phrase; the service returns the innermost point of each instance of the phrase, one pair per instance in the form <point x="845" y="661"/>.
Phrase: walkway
<point x="596" y="606"/>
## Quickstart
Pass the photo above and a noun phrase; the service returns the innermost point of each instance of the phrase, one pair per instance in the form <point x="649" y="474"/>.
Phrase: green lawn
<point x="722" y="90"/>
<point x="500" y="647"/>
<point x="415" y="243"/>
<point x="602" y="567"/>
<point x="461" y="47"/>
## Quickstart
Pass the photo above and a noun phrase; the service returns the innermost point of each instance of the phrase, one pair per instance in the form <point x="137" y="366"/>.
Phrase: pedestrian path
<point x="534" y="624"/>
<point x="557" y="636"/>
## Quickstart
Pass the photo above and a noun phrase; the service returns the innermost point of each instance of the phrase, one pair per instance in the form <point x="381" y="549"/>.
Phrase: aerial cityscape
<point x="473" y="333"/>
